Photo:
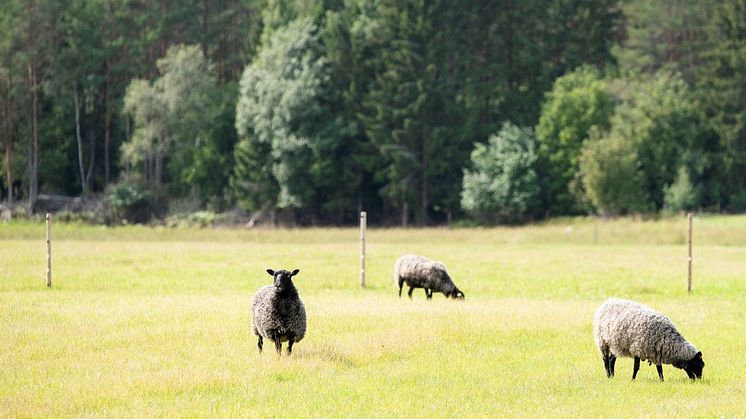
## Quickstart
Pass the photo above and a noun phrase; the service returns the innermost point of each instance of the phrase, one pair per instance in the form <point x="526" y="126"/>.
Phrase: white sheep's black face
<point x="283" y="278"/>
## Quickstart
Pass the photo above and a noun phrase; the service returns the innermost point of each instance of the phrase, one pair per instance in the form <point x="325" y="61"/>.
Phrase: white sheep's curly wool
<point x="421" y="272"/>
<point x="629" y="329"/>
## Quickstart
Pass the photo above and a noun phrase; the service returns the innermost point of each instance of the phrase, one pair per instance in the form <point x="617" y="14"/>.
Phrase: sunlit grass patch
<point x="157" y="323"/>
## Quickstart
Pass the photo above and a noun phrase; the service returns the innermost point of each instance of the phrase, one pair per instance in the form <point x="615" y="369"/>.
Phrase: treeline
<point x="416" y="111"/>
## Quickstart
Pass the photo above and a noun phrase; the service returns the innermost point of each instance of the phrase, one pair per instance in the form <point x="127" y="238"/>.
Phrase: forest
<point x="420" y="112"/>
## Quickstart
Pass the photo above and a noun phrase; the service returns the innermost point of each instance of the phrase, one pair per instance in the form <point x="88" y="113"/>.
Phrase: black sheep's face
<point x="694" y="367"/>
<point x="456" y="294"/>
<point x="283" y="278"/>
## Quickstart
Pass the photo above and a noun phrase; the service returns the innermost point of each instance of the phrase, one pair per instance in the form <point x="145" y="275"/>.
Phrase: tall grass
<point x="156" y="322"/>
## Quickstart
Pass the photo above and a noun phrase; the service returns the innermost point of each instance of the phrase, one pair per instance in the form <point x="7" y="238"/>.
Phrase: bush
<point x="502" y="187"/>
<point x="737" y="202"/>
<point x="83" y="217"/>
<point x="127" y="203"/>
<point x="612" y="180"/>
<point x="681" y="195"/>
<point x="200" y="219"/>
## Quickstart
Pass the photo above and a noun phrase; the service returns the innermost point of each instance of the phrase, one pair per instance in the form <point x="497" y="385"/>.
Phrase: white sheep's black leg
<point x="409" y="293"/>
<point x="428" y="294"/>
<point x="659" y="367"/>
<point x="606" y="365"/>
<point x="636" y="368"/>
<point x="612" y="361"/>
<point x="401" y="285"/>
<point x="260" y="343"/>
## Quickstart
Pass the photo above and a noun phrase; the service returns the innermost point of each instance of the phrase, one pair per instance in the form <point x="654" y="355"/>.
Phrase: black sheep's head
<point x="283" y="279"/>
<point x="693" y="367"/>
<point x="456" y="294"/>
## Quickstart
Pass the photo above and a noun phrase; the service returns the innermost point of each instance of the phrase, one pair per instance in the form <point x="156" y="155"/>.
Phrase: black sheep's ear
<point x="295" y="272"/>
<point x="699" y="355"/>
<point x="271" y="272"/>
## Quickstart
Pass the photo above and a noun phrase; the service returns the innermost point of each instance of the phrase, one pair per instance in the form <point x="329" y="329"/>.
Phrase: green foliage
<point x="201" y="219"/>
<point x="611" y="176"/>
<point x="171" y="116"/>
<point x="279" y="107"/>
<point x="297" y="147"/>
<point x="682" y="195"/>
<point x="578" y="102"/>
<point x="252" y="183"/>
<point x="502" y="185"/>
<point x="419" y="113"/>
<point x="212" y="165"/>
<point x="660" y="118"/>
<point x="127" y="202"/>
<point x="737" y="202"/>
<point x="722" y="92"/>
<point x="376" y="107"/>
<point x="664" y="35"/>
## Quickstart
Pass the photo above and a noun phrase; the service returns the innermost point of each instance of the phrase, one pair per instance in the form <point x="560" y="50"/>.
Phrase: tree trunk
<point x="234" y="62"/>
<point x="111" y="35"/>
<point x="424" y="188"/>
<point x="205" y="26"/>
<point x="34" y="145"/>
<point x="107" y="125"/>
<point x="158" y="167"/>
<point x="81" y="167"/>
<point x="92" y="135"/>
<point x="32" y="81"/>
<point x="7" y="126"/>
<point x="404" y="214"/>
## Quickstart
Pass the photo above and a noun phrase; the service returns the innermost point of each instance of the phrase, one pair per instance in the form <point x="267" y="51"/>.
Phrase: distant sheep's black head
<point x="283" y="279"/>
<point x="456" y="294"/>
<point x="694" y="367"/>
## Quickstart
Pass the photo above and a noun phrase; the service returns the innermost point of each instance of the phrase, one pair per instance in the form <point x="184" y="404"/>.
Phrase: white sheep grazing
<point x="629" y="329"/>
<point x="421" y="272"/>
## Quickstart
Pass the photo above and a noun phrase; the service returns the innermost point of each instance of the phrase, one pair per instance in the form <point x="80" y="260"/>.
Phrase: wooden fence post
<point x="689" y="276"/>
<point x="363" y="227"/>
<point x="49" y="250"/>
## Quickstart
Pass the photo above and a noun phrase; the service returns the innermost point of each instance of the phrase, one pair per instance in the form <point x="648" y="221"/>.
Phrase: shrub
<point x="681" y="195"/>
<point x="129" y="203"/>
<point x="502" y="186"/>
<point x="611" y="177"/>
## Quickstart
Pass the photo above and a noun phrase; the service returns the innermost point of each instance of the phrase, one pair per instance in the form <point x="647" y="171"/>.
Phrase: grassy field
<point x="156" y="322"/>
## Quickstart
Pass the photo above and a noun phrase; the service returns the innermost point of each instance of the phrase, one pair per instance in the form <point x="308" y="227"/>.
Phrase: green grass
<point x="156" y="322"/>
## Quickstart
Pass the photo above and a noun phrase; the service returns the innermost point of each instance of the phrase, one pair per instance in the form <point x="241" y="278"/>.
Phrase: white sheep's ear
<point x="271" y="272"/>
<point x="295" y="272"/>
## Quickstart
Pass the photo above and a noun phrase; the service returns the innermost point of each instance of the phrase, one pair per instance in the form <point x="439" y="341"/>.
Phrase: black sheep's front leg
<point x="278" y="343"/>
<point x="659" y="367"/>
<point x="428" y="294"/>
<point x="636" y="368"/>
<point x="290" y="345"/>
<point x="260" y="343"/>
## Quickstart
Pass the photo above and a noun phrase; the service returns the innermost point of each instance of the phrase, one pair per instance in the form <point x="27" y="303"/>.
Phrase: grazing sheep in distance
<point x="278" y="313"/>
<point x="421" y="272"/>
<point x="626" y="328"/>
